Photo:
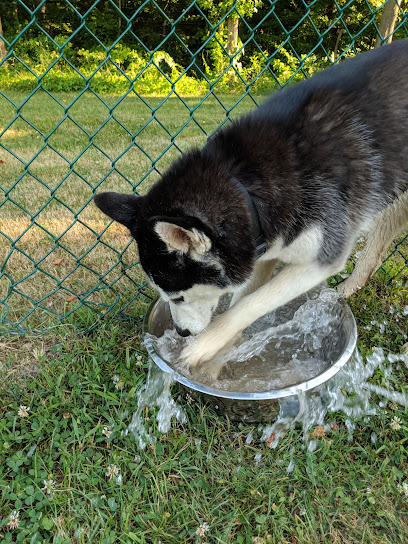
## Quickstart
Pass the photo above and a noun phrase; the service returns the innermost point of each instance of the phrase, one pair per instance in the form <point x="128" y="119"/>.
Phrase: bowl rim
<point x="263" y="395"/>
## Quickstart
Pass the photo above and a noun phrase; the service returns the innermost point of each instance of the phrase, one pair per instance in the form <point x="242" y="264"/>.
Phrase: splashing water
<point x="156" y="392"/>
<point x="348" y="392"/>
<point x="284" y="348"/>
<point x="287" y="347"/>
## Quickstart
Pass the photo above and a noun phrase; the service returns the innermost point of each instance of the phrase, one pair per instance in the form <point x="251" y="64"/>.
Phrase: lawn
<point x="68" y="471"/>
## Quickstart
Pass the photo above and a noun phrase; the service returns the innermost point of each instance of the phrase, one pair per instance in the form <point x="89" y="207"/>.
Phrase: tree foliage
<point x="275" y="35"/>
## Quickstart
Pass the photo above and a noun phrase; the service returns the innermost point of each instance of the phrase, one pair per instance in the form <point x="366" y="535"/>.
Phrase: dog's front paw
<point x="202" y="349"/>
<point x="220" y="334"/>
<point x="217" y="339"/>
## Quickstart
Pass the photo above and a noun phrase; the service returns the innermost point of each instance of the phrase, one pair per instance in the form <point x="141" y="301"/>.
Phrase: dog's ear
<point x="121" y="207"/>
<point x="185" y="240"/>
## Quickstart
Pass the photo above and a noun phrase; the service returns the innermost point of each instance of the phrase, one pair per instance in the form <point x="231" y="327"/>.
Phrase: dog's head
<point x="193" y="234"/>
<point x="182" y="255"/>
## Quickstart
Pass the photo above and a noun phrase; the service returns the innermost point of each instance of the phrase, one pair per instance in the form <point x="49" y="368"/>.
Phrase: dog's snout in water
<point x="182" y="332"/>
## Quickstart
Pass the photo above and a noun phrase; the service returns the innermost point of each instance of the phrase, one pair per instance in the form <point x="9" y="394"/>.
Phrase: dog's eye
<point x="177" y="300"/>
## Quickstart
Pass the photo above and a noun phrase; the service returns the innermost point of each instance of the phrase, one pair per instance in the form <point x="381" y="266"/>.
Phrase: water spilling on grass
<point x="155" y="392"/>
<point x="349" y="391"/>
<point x="291" y="346"/>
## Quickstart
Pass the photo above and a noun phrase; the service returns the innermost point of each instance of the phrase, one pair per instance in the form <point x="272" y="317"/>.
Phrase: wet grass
<point x="208" y="480"/>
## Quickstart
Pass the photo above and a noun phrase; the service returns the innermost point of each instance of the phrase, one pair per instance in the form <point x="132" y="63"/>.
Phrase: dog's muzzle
<point x="182" y="332"/>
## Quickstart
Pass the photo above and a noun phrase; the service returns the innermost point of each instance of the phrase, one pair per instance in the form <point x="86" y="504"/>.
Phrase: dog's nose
<point x="182" y="332"/>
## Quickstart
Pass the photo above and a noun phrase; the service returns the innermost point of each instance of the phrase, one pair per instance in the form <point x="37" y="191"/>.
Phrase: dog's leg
<point x="290" y="283"/>
<point x="261" y="274"/>
<point x="387" y="226"/>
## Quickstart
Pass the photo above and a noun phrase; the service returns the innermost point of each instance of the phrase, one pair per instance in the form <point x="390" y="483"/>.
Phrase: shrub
<point x="57" y="66"/>
<point x="113" y="71"/>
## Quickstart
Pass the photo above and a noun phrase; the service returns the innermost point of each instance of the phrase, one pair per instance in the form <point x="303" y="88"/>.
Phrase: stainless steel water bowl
<point x="262" y="406"/>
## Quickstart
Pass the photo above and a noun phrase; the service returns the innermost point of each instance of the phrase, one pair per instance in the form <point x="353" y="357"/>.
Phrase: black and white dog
<point x="297" y="180"/>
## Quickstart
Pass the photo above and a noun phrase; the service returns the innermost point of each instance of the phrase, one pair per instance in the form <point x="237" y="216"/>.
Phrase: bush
<point x="58" y="66"/>
<point x="113" y="71"/>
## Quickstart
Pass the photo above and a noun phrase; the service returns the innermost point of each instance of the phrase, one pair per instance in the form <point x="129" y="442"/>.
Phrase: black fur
<point x="332" y="151"/>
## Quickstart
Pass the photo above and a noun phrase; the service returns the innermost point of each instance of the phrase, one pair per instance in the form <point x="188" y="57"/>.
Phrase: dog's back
<point x="370" y="91"/>
<point x="332" y="149"/>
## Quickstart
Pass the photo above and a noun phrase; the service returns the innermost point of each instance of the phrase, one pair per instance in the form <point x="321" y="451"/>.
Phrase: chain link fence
<point x="92" y="100"/>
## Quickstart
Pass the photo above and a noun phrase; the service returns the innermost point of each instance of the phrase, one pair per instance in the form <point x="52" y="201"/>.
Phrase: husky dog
<point x="297" y="180"/>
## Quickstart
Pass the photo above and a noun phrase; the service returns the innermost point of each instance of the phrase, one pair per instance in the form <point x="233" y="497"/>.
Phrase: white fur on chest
<point x="304" y="247"/>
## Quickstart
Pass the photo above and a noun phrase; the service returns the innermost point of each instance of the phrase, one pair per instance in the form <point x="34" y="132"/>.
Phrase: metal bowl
<point x="262" y="406"/>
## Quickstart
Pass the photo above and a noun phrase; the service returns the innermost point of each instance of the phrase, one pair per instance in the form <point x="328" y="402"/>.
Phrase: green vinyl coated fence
<point x="103" y="95"/>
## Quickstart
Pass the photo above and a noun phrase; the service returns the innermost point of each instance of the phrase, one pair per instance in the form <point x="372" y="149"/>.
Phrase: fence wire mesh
<point x="104" y="95"/>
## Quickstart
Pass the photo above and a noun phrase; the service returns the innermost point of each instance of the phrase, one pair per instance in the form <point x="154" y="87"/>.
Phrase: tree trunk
<point x="232" y="29"/>
<point x="3" y="51"/>
<point x="388" y="20"/>
<point x="40" y="16"/>
<point x="120" y="18"/>
<point x="42" y="8"/>
<point x="336" y="47"/>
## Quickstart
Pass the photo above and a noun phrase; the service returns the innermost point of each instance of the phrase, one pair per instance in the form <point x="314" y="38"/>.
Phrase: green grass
<point x="200" y="472"/>
<point x="78" y="387"/>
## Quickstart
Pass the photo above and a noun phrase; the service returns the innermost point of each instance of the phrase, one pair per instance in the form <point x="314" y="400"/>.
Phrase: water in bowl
<point x="284" y="348"/>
